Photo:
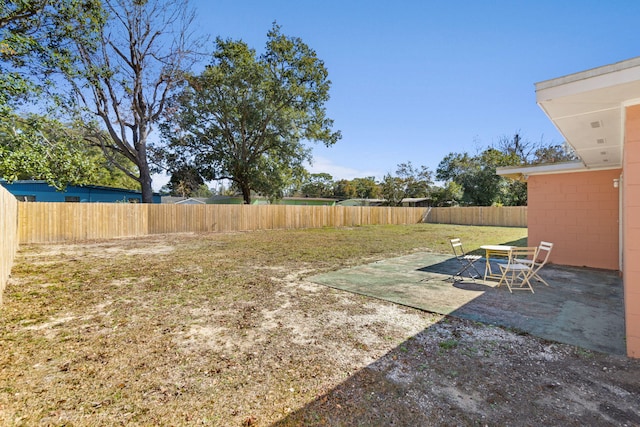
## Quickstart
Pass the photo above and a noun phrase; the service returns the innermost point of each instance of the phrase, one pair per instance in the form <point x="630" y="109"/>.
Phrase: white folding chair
<point x="466" y="261"/>
<point x="539" y="261"/>
<point x="516" y="273"/>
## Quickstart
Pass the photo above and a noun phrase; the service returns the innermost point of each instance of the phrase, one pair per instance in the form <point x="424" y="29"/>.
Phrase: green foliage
<point x="39" y="147"/>
<point x="38" y="37"/>
<point x="184" y="182"/>
<point x="318" y="185"/>
<point x="391" y="188"/>
<point x="449" y="195"/>
<point x="322" y="185"/>
<point x="366" y="188"/>
<point x="513" y="192"/>
<point x="554" y="154"/>
<point x="409" y="181"/>
<point x="344" y="189"/>
<point x="202" y="191"/>
<point x="246" y="116"/>
<point x="477" y="177"/>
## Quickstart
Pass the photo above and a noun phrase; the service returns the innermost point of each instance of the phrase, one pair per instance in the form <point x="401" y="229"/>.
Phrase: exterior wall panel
<point x="631" y="229"/>
<point x="578" y="212"/>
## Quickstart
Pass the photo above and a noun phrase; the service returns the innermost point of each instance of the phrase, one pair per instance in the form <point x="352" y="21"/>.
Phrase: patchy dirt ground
<point x="225" y="330"/>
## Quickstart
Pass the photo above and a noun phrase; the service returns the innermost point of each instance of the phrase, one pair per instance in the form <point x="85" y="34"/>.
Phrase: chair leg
<point x="540" y="279"/>
<point x="465" y="269"/>
<point x="478" y="274"/>
<point x="504" y="279"/>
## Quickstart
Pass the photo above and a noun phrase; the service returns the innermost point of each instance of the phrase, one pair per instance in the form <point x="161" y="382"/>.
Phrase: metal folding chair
<point x="538" y="262"/>
<point x="466" y="261"/>
<point x="516" y="273"/>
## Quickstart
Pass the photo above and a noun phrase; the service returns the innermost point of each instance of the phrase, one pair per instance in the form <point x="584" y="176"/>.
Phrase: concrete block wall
<point x="631" y="229"/>
<point x="579" y="213"/>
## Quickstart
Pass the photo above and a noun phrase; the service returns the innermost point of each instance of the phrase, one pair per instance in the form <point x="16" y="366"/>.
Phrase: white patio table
<point x="494" y="250"/>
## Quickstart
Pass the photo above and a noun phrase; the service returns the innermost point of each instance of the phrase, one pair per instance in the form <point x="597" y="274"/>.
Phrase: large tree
<point x="144" y="48"/>
<point x="36" y="147"/>
<point x="37" y="37"/>
<point x="317" y="185"/>
<point x="366" y="188"/>
<point x="184" y="182"/>
<point x="247" y="116"/>
<point x="409" y="181"/>
<point x="33" y="146"/>
<point x="477" y="174"/>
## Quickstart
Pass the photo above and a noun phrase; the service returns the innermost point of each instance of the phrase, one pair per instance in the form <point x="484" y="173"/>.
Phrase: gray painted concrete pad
<point x="581" y="307"/>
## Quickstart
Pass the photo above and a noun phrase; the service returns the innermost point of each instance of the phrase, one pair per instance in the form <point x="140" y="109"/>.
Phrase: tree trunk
<point x="145" y="181"/>
<point x="246" y="194"/>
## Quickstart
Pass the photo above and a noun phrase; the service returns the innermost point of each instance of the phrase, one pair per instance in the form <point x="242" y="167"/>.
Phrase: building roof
<point x="97" y="187"/>
<point x="183" y="200"/>
<point x="588" y="109"/>
<point x="520" y="172"/>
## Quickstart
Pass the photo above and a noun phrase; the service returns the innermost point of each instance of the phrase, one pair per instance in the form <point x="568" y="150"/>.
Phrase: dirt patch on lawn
<point x="224" y="330"/>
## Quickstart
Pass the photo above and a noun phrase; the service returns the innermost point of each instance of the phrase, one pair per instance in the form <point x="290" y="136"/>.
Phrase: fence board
<point x="60" y="222"/>
<point x="505" y="216"/>
<point x="8" y="235"/>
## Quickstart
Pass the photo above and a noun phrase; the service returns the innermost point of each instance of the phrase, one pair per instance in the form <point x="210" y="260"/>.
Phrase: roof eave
<point x="523" y="172"/>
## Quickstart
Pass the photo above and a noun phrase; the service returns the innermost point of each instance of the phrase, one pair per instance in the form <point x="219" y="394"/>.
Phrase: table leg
<point x="487" y="267"/>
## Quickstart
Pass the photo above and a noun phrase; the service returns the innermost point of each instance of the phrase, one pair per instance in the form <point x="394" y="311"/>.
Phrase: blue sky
<point x="416" y="80"/>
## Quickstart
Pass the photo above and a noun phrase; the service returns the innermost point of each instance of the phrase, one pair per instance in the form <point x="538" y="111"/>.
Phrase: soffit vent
<point x="600" y="141"/>
<point x="596" y="124"/>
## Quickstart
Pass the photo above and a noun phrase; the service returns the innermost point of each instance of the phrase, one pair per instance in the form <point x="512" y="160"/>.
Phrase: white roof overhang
<point x="588" y="109"/>
<point x="523" y="172"/>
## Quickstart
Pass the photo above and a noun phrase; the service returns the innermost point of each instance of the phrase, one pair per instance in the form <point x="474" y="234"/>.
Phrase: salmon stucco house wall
<point x="590" y="209"/>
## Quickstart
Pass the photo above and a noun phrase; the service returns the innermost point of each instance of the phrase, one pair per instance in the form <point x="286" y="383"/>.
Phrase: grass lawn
<point x="211" y="329"/>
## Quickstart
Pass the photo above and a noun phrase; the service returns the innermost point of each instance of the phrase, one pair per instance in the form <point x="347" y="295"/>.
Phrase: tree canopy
<point x="40" y="147"/>
<point x="409" y="181"/>
<point x="246" y="117"/>
<point x="185" y="182"/>
<point x="37" y="37"/>
<point x="476" y="175"/>
<point x="122" y="86"/>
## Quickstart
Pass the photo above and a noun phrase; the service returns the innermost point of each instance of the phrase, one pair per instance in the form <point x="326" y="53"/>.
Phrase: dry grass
<point x="222" y="329"/>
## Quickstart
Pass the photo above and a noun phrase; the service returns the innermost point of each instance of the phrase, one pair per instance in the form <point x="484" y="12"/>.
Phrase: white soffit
<point x="588" y="109"/>
<point x="520" y="172"/>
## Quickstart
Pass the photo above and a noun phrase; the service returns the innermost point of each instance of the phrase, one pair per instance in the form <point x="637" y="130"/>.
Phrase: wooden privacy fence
<point x="506" y="216"/>
<point x="8" y="235"/>
<point x="64" y="222"/>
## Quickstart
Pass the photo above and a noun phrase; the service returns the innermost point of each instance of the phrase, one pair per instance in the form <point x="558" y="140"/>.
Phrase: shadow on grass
<point x="389" y="391"/>
<point x="456" y="372"/>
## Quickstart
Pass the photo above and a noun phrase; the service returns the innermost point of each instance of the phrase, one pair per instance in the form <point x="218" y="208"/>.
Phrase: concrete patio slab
<point x="581" y="307"/>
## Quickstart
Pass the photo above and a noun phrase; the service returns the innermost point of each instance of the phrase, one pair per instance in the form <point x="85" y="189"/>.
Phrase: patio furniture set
<point x="518" y="267"/>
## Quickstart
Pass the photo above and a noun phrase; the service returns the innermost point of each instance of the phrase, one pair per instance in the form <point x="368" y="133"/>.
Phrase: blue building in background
<point x="40" y="191"/>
